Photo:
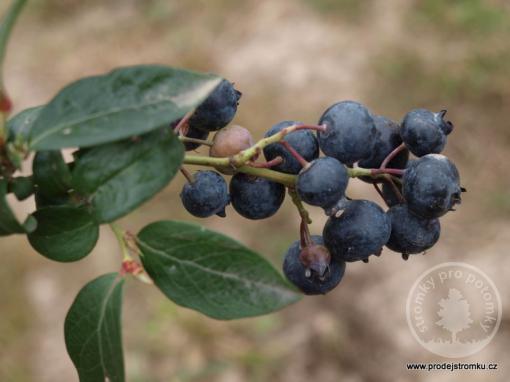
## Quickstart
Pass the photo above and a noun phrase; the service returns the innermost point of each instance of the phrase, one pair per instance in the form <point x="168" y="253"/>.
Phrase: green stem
<point x="120" y="236"/>
<point x="6" y="27"/>
<point x="246" y="155"/>
<point x="305" y="216"/>
<point x="286" y="179"/>
<point x="275" y="176"/>
<point x="182" y="138"/>
<point x="129" y="264"/>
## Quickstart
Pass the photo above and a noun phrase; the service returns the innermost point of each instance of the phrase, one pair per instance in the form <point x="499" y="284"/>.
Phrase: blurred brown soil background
<point x="291" y="59"/>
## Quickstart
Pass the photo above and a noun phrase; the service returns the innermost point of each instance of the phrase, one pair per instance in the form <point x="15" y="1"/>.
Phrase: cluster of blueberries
<point x="417" y="191"/>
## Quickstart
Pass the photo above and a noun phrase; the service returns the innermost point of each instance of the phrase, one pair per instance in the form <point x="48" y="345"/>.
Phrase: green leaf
<point x="118" y="177"/>
<point x="93" y="332"/>
<point x="22" y="187"/>
<point x="59" y="200"/>
<point x="21" y="124"/>
<point x="123" y="103"/>
<point x="51" y="174"/>
<point x="8" y="222"/>
<point x="64" y="233"/>
<point x="211" y="273"/>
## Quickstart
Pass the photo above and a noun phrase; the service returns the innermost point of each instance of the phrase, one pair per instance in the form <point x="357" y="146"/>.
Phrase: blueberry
<point x="387" y="139"/>
<point x="307" y="280"/>
<point x="424" y="132"/>
<point x="254" y="197"/>
<point x="350" y="132"/>
<point x="323" y="182"/>
<point x="206" y="195"/>
<point x="361" y="230"/>
<point x="197" y="134"/>
<point x="431" y="186"/>
<point x="218" y="109"/>
<point x="303" y="141"/>
<point x="410" y="233"/>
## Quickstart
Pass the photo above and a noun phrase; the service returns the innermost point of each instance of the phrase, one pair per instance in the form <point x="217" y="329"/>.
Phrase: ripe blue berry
<point x="323" y="182"/>
<point x="411" y="234"/>
<point x="310" y="281"/>
<point x="361" y="230"/>
<point x="387" y="139"/>
<point x="350" y="132"/>
<point x="303" y="141"/>
<point x="431" y="186"/>
<point x="254" y="197"/>
<point x="424" y="132"/>
<point x="206" y="195"/>
<point x="218" y="109"/>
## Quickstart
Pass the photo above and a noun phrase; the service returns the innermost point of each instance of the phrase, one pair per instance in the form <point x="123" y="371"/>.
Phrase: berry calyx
<point x="424" y="132"/>
<point x="308" y="280"/>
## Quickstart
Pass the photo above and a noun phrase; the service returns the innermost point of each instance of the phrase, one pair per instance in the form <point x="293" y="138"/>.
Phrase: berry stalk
<point x="129" y="265"/>
<point x="246" y="155"/>
<point x="392" y="155"/>
<point x="305" y="216"/>
<point x="274" y="162"/>
<point x="6" y="27"/>
<point x="285" y="179"/>
<point x="302" y="161"/>
<point x="182" y="138"/>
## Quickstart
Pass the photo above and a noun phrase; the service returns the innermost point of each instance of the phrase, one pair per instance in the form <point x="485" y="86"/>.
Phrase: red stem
<point x="321" y="128"/>
<point x="274" y="162"/>
<point x="302" y="161"/>
<point x="392" y="155"/>
<point x="376" y="186"/>
<point x="395" y="189"/>
<point x="304" y="234"/>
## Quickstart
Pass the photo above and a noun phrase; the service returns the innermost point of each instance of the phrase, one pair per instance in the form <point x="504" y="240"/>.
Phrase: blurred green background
<point x="291" y="59"/>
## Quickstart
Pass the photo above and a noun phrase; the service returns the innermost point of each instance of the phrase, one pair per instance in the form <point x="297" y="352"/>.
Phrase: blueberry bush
<point x="132" y="130"/>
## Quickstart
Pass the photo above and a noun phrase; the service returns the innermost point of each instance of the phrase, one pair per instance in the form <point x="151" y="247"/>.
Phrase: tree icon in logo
<point x="454" y="313"/>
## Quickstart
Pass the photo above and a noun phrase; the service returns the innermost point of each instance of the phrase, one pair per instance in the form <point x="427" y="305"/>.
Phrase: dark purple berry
<point x="218" y="109"/>
<point x="350" y="132"/>
<point x="431" y="186"/>
<point x="254" y="197"/>
<point x="303" y="141"/>
<point x="323" y="182"/>
<point x="206" y="195"/>
<point x="424" y="132"/>
<point x="411" y="234"/>
<point x="362" y="230"/>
